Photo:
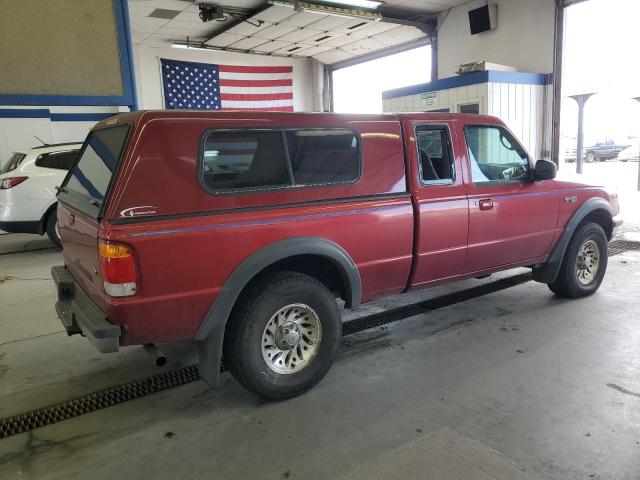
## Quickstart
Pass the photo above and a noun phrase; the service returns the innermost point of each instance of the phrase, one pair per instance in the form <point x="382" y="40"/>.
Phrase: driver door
<point x="511" y="218"/>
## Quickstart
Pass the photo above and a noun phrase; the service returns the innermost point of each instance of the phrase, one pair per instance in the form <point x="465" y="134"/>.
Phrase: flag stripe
<point x="256" y="90"/>
<point x="253" y="97"/>
<point x="255" y="76"/>
<point x="264" y="109"/>
<point x="282" y="82"/>
<point x="254" y="69"/>
<point x="255" y="103"/>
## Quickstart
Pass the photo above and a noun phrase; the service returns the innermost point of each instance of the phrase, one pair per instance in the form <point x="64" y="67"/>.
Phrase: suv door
<point x="442" y="210"/>
<point x="511" y="218"/>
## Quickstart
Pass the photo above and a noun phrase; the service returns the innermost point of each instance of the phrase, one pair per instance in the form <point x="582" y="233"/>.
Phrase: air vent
<point x="164" y="13"/>
<point x="323" y="38"/>
<point x="357" y="25"/>
<point x="294" y="49"/>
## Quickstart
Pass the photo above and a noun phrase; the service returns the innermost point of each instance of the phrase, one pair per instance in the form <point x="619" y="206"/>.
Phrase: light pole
<point x="580" y="100"/>
<point x="638" y="100"/>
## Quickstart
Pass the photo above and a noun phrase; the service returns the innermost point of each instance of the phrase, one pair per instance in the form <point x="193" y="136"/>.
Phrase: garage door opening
<point x="603" y="67"/>
<point x="358" y="88"/>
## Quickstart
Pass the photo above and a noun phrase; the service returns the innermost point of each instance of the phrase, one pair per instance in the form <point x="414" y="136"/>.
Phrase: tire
<point x="590" y="157"/>
<point x="51" y="228"/>
<point x="573" y="280"/>
<point x="277" y="301"/>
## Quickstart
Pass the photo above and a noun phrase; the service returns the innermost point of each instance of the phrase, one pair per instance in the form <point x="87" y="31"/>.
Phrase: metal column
<point x="581" y="100"/>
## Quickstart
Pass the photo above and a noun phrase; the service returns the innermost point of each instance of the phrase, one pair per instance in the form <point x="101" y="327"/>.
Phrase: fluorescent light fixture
<point x="338" y="10"/>
<point x="190" y="46"/>
<point x="355" y="3"/>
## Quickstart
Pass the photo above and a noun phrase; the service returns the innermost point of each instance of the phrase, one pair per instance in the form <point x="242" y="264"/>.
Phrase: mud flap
<point x="210" y="355"/>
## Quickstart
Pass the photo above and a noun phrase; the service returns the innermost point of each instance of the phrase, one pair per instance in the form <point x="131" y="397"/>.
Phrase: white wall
<point x="149" y="79"/>
<point x="19" y="133"/>
<point x="523" y="38"/>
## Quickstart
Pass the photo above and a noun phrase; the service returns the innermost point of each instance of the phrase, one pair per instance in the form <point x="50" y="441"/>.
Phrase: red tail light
<point x="7" y="183"/>
<point x="118" y="269"/>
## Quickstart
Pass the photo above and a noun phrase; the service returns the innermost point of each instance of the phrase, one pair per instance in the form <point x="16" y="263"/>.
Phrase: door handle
<point x="486" y="204"/>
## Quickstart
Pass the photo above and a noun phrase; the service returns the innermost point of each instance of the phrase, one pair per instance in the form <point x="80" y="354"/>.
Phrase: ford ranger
<point x="240" y="230"/>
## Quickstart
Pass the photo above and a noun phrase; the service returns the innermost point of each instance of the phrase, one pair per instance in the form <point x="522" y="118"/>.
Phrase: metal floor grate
<point x="118" y="394"/>
<point x="621" y="246"/>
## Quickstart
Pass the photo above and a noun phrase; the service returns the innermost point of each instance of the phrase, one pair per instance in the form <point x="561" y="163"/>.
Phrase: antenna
<point x="41" y="141"/>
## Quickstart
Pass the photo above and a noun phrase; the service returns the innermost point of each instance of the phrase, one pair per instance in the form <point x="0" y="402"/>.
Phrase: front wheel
<point x="584" y="263"/>
<point x="591" y="157"/>
<point x="284" y="336"/>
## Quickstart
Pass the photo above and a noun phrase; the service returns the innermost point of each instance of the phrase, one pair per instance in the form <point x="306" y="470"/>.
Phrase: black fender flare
<point x="221" y="308"/>
<point x="548" y="272"/>
<point x="210" y="335"/>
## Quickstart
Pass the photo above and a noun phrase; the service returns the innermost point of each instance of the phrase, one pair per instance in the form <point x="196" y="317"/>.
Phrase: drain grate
<point x="139" y="388"/>
<point x="96" y="401"/>
<point x="621" y="246"/>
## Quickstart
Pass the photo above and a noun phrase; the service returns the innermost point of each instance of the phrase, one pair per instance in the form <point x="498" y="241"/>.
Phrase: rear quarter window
<point x="57" y="160"/>
<point x="13" y="163"/>
<point x="88" y="181"/>
<point x="238" y="160"/>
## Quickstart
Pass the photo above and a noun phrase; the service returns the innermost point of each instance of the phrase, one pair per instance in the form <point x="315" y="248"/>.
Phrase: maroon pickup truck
<point x="240" y="230"/>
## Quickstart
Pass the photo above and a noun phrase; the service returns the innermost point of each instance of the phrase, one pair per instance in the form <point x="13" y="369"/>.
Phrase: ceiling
<point x="275" y="30"/>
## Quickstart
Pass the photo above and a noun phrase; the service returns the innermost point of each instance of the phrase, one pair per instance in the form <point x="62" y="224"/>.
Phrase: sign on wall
<point x="429" y="99"/>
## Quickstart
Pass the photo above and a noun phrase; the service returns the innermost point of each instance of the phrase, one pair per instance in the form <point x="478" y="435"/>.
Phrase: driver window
<point x="495" y="155"/>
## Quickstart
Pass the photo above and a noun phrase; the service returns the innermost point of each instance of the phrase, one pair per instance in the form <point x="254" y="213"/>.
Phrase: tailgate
<point x="81" y="199"/>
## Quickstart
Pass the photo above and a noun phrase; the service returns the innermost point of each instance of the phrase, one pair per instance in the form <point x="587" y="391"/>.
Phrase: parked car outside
<point x="599" y="152"/>
<point x="631" y="153"/>
<point x="28" y="189"/>
<point x="239" y="229"/>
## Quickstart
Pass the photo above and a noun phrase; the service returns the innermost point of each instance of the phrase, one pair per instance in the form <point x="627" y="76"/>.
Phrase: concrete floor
<point x="529" y="386"/>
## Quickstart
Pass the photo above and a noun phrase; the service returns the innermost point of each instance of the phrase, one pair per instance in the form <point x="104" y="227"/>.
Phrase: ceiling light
<point x="339" y="10"/>
<point x="355" y="3"/>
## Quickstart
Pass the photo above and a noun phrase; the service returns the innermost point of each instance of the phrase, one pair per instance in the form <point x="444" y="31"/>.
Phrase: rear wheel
<point x="284" y="337"/>
<point x="584" y="263"/>
<point x="590" y="157"/>
<point x="52" y="228"/>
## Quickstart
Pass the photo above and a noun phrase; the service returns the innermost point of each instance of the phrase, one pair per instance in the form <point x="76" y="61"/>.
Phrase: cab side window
<point x="495" y="155"/>
<point x="434" y="155"/>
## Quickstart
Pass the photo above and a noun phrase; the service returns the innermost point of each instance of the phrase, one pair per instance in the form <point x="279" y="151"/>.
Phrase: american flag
<point x="208" y="86"/>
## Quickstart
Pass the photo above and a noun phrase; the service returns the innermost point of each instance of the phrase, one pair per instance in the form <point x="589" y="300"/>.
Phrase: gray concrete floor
<point x="530" y="386"/>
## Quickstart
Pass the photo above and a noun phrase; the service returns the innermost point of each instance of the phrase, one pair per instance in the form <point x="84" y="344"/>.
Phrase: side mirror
<point x="544" y="170"/>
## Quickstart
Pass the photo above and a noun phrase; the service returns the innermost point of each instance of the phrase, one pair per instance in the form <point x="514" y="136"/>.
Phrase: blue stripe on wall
<point x="80" y="117"/>
<point x="470" y="79"/>
<point x="24" y="113"/>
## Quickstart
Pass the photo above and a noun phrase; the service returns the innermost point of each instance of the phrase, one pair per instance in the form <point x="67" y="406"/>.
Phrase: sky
<point x="602" y="55"/>
<point x="359" y="88"/>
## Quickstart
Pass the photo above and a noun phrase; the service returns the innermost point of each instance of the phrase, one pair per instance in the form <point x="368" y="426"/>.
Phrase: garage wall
<point x="149" y="80"/>
<point x="523" y="39"/>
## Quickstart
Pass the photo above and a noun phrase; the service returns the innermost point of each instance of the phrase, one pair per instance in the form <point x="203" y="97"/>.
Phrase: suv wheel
<point x="284" y="337"/>
<point x="52" y="228"/>
<point x="584" y="263"/>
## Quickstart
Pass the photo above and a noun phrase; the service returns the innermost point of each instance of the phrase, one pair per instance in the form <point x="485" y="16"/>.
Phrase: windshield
<point x="89" y="179"/>
<point x="14" y="161"/>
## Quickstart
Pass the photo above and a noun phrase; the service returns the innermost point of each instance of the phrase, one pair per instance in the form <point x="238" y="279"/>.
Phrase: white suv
<point x="28" y="184"/>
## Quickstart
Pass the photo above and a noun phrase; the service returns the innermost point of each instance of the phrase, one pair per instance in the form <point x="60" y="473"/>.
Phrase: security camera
<point x="210" y="12"/>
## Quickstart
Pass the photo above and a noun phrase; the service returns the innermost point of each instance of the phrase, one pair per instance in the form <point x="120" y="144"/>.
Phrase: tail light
<point x="7" y="183"/>
<point x="118" y="269"/>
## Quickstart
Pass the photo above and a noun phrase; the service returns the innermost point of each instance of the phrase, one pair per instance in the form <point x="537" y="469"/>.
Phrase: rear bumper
<point x="80" y="315"/>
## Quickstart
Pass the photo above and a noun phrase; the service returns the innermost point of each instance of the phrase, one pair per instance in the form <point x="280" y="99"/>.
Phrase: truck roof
<point x="147" y="115"/>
